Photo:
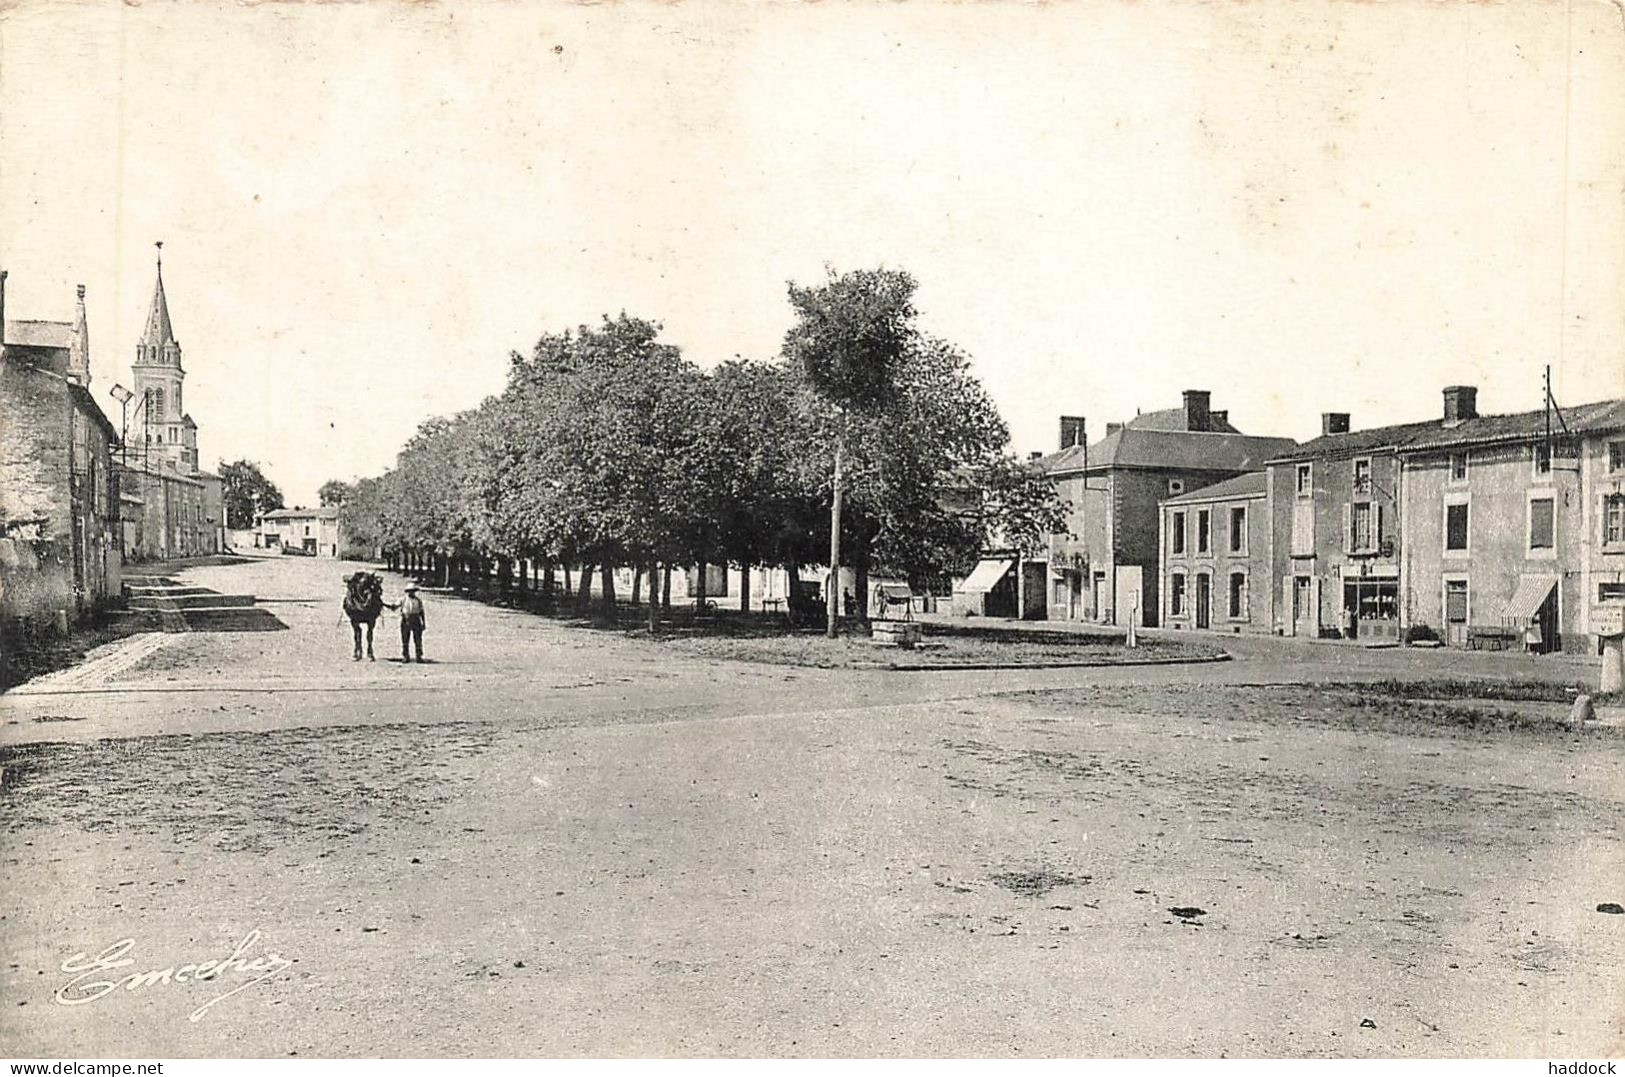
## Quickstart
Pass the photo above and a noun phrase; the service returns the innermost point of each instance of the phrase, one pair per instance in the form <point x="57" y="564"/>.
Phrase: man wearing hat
<point x="411" y="608"/>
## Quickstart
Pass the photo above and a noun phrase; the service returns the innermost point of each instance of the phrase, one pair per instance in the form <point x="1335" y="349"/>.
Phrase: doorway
<point x="1305" y="617"/>
<point x="1204" y="600"/>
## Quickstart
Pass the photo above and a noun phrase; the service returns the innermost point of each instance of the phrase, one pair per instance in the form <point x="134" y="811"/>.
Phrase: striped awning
<point x="986" y="576"/>
<point x="1527" y="599"/>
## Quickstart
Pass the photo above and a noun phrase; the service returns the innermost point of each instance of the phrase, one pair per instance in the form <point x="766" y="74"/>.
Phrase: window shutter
<point x="1377" y="533"/>
<point x="1348" y="528"/>
<point x="1289" y="620"/>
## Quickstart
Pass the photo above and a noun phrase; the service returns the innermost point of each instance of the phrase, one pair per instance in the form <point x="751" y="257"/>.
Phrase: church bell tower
<point x="163" y="433"/>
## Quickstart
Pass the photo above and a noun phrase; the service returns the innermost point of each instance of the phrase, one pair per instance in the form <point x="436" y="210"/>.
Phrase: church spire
<point x="159" y="338"/>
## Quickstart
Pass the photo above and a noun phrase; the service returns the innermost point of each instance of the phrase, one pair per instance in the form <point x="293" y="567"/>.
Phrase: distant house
<point x="1216" y="557"/>
<point x="1106" y="565"/>
<point x="300" y="530"/>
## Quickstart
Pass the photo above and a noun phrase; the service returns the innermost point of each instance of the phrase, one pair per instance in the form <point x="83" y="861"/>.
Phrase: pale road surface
<point x="553" y="841"/>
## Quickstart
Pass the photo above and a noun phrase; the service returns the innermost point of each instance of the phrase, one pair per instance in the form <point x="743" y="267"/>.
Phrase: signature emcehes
<point x="95" y="976"/>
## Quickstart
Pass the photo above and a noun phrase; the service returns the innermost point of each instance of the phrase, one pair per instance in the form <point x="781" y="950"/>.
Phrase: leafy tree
<point x="334" y="492"/>
<point x="850" y="334"/>
<point x="247" y="493"/>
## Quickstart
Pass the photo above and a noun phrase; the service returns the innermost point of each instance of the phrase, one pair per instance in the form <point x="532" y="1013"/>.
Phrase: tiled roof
<point x="1433" y="434"/>
<point x="1152" y="448"/>
<point x="87" y="404"/>
<point x="1174" y="419"/>
<point x="1252" y="484"/>
<point x="33" y="334"/>
<point x="324" y="512"/>
<point x="1378" y="437"/>
<point x="1524" y="426"/>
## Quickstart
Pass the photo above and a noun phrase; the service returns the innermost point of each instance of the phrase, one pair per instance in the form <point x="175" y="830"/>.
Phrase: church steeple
<point x="158" y="343"/>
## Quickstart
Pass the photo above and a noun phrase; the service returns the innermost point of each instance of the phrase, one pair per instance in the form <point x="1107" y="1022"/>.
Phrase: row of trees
<point x="867" y="440"/>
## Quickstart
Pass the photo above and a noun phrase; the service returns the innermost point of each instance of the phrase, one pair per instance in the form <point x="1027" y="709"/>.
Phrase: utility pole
<point x="832" y="600"/>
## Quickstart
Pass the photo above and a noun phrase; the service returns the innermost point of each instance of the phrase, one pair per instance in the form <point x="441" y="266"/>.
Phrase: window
<point x="1611" y="592"/>
<point x="1362" y="537"/>
<point x="1455" y="602"/>
<point x="1616" y="456"/>
<point x="155" y="404"/>
<point x="1204" y="532"/>
<point x="1458" y="467"/>
<point x="1543" y="459"/>
<point x="1613" y="519"/>
<point x="1177" y="538"/>
<point x="1238" y="529"/>
<point x="1455" y="527"/>
<point x="1176" y="486"/>
<point x="1176" y="595"/>
<point x="1238" y="595"/>
<point x="1362" y="478"/>
<point x="1306" y="480"/>
<point x="1542" y="523"/>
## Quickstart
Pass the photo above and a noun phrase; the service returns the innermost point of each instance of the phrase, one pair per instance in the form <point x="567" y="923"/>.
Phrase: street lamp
<point x="123" y="396"/>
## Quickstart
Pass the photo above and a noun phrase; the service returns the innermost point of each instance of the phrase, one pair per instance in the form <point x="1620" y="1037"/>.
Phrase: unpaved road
<point x="556" y="842"/>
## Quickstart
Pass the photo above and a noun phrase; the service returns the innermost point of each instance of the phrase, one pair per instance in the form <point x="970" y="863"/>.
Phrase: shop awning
<point x="1527" y="599"/>
<point x="986" y="576"/>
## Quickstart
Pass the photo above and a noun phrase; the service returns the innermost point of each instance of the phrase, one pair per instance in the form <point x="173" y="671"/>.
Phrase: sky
<point x="1301" y="207"/>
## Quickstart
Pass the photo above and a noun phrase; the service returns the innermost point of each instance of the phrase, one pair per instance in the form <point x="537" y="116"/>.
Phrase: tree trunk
<point x="665" y="587"/>
<point x="699" y="585"/>
<point x="833" y="598"/>
<point x="654" y="606"/>
<point x="584" y="590"/>
<point x="637" y="583"/>
<point x="549" y="582"/>
<point x="569" y="588"/>
<point x="861" y="585"/>
<point x="606" y="573"/>
<point x="744" y="587"/>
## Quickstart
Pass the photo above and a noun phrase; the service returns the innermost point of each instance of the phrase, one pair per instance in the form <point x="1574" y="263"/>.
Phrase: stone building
<point x="1515" y="527"/>
<point x="1480" y="530"/>
<point x="59" y="550"/>
<point x="1106" y="564"/>
<point x="1335" y="513"/>
<point x="1216" y="557"/>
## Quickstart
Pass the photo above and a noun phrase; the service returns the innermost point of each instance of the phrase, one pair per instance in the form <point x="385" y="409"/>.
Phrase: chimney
<point x="2" y="308"/>
<point x="1460" y="404"/>
<point x="1035" y="455"/>
<point x="1219" y="419"/>
<point x="79" y="344"/>
<point x="1196" y="410"/>
<point x="1113" y="428"/>
<point x="1072" y="427"/>
<point x="1334" y="422"/>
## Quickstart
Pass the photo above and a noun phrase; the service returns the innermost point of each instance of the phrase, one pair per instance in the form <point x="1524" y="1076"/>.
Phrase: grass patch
<point x="1454" y="689"/>
<point x="1349" y="706"/>
<point x="34" y="653"/>
<point x="949" y="647"/>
